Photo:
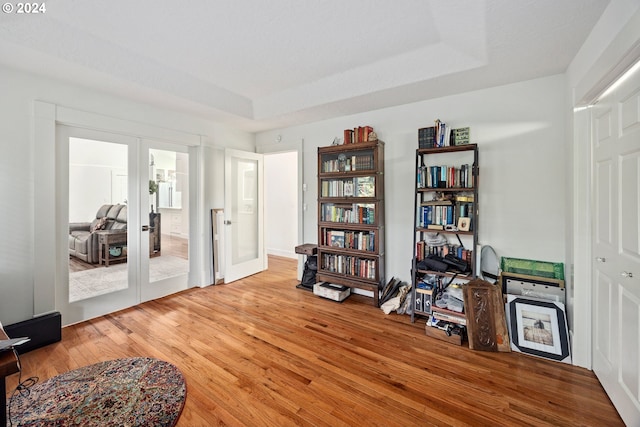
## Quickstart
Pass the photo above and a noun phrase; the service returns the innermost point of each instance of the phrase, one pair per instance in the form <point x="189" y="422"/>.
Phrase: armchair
<point x="83" y="241"/>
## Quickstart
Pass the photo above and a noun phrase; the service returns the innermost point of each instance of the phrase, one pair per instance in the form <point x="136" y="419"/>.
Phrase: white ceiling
<point x="268" y="64"/>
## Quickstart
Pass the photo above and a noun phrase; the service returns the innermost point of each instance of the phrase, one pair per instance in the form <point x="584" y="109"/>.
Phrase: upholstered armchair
<point x="83" y="241"/>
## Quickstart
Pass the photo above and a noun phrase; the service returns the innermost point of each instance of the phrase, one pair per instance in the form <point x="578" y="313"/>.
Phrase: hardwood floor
<point x="259" y="352"/>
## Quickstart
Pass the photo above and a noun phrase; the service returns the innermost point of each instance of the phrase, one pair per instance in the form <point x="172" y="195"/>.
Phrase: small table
<point x="8" y="366"/>
<point x="108" y="238"/>
<point x="308" y="249"/>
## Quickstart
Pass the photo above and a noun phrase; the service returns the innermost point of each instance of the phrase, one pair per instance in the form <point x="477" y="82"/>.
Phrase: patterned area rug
<point x="124" y="392"/>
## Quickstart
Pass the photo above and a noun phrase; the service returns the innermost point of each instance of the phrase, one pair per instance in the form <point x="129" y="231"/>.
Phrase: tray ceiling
<point x="260" y="65"/>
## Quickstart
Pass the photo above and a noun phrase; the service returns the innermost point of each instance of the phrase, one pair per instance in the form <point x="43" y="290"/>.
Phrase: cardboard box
<point x="330" y="291"/>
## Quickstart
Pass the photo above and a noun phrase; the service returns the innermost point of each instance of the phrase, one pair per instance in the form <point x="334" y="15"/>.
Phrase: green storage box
<point x="553" y="270"/>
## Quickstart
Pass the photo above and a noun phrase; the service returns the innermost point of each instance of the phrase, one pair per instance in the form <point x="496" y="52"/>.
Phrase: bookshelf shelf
<point x="429" y="230"/>
<point x="351" y="215"/>
<point x="446" y="189"/>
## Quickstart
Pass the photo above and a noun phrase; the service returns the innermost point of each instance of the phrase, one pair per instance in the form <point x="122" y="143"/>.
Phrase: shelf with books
<point x="351" y="240"/>
<point x="351" y="215"/>
<point x="349" y="185"/>
<point x="445" y="225"/>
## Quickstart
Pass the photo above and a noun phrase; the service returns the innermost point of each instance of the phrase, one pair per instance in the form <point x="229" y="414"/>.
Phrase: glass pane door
<point x="165" y="209"/>
<point x="244" y="237"/>
<point x="99" y="238"/>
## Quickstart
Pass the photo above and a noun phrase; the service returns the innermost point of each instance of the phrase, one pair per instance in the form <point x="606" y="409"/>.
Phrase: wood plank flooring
<point x="259" y="352"/>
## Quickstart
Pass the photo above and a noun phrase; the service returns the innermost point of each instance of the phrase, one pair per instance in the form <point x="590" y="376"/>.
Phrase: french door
<point x="164" y="264"/>
<point x="107" y="188"/>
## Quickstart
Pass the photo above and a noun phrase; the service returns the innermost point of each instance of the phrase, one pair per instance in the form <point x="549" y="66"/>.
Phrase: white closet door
<point x="616" y="246"/>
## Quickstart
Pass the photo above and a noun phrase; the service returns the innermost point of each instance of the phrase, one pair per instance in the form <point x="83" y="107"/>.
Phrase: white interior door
<point x="94" y="171"/>
<point x="616" y="246"/>
<point x="244" y="223"/>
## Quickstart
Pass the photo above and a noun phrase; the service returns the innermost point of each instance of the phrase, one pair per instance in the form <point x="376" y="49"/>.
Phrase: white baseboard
<point x="279" y="252"/>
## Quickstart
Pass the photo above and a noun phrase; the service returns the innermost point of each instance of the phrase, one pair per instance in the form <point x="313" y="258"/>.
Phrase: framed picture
<point x="464" y="223"/>
<point x="533" y="286"/>
<point x="538" y="328"/>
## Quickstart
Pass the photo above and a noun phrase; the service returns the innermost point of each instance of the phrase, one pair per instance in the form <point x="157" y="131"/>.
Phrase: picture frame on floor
<point x="538" y="328"/>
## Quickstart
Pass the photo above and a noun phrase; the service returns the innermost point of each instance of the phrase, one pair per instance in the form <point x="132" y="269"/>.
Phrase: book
<point x="436" y="203"/>
<point x="348" y="189"/>
<point x="348" y="136"/>
<point x="357" y="134"/>
<point x="464" y="198"/>
<point x="336" y="238"/>
<point x="365" y="186"/>
<point x="448" y="315"/>
<point x="460" y="136"/>
<point x="365" y="133"/>
<point x="426" y="137"/>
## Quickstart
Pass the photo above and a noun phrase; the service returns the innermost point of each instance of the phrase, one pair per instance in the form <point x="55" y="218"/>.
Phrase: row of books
<point x="349" y="164"/>
<point x="360" y="240"/>
<point x="357" y="213"/>
<point x="423" y="249"/>
<point x="439" y="217"/>
<point x="349" y="187"/>
<point x="349" y="265"/>
<point x="359" y="134"/>
<point x="442" y="135"/>
<point x="445" y="177"/>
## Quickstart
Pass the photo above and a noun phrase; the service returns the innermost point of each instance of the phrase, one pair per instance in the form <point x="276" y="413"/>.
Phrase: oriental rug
<point x="123" y="392"/>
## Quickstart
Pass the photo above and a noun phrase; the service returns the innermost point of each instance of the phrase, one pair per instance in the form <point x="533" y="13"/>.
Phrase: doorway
<point x="281" y="203"/>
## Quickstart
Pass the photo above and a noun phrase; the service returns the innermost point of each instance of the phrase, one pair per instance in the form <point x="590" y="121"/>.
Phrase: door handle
<point x="145" y="228"/>
<point x="227" y="222"/>
<point x="626" y="274"/>
<point x="601" y="259"/>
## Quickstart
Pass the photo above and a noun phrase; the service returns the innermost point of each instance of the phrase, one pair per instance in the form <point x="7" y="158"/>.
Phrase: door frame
<point x="51" y="229"/>
<point x="283" y="146"/>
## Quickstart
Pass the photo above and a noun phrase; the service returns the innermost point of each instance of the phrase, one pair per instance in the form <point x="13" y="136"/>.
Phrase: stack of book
<point x="358" y="134"/>
<point x="441" y="135"/>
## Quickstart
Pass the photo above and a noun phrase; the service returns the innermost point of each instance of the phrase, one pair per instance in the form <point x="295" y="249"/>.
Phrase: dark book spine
<point x="426" y="137"/>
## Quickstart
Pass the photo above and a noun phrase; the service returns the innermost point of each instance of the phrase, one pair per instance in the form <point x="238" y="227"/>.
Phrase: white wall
<point x="520" y="132"/>
<point x="281" y="203"/>
<point x="18" y="170"/>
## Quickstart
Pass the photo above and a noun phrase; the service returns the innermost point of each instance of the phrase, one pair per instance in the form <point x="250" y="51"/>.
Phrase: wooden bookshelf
<point x="351" y="216"/>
